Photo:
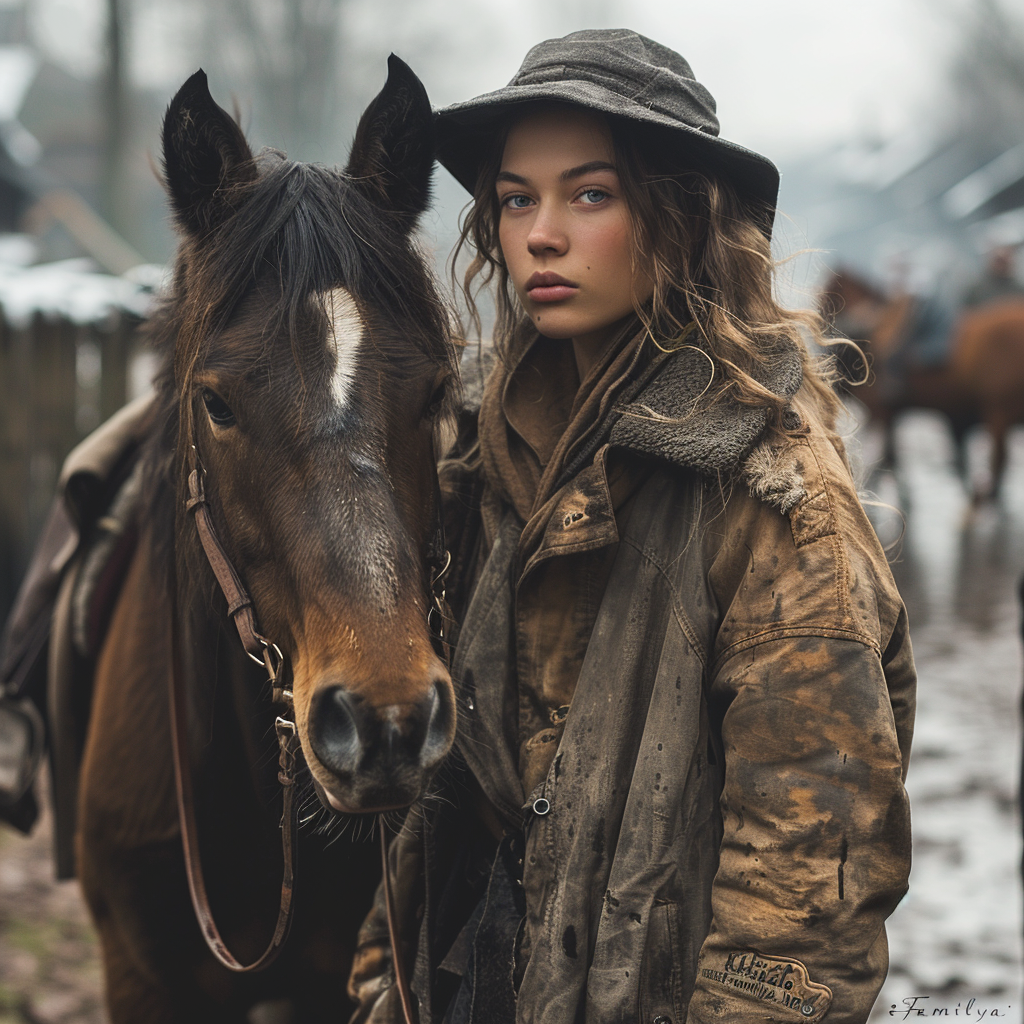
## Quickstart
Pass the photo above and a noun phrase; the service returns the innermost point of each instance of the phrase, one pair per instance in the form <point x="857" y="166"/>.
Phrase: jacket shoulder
<point x="795" y="553"/>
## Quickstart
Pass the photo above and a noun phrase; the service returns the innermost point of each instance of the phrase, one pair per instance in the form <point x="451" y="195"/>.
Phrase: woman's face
<point x="564" y="228"/>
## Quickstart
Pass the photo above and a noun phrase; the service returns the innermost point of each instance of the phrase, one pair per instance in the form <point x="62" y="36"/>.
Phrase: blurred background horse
<point x="978" y="377"/>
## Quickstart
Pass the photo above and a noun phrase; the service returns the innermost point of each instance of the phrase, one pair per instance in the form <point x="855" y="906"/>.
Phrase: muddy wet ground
<point x="956" y="939"/>
<point x="49" y="960"/>
<point x="957" y="936"/>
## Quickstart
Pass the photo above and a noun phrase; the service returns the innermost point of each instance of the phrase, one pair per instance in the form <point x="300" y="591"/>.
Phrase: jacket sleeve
<point x="816" y="846"/>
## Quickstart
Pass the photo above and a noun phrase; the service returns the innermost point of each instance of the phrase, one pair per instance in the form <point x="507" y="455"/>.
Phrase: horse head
<point x="313" y="369"/>
<point x="856" y="310"/>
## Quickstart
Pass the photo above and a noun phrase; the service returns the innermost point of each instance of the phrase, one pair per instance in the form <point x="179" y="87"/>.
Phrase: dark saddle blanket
<point x="53" y="635"/>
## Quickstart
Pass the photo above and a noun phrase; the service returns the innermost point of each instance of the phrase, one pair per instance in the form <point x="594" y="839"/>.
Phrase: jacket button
<point x="541" y="806"/>
<point x="662" y="1019"/>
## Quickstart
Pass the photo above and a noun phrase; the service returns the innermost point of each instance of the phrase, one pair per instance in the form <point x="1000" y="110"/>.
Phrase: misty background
<point x="898" y="126"/>
<point x="875" y="112"/>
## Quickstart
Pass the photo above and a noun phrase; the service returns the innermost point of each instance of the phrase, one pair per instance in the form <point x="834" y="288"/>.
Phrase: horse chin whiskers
<point x="322" y="820"/>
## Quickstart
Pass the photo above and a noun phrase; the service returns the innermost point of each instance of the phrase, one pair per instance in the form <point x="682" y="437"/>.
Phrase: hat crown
<point x="622" y="75"/>
<point x="624" y="62"/>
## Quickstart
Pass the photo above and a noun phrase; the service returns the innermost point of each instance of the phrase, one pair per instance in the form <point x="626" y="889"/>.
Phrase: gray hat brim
<point x="465" y="133"/>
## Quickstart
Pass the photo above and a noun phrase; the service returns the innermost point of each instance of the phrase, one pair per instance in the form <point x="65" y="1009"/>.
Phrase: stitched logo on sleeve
<point x="776" y="980"/>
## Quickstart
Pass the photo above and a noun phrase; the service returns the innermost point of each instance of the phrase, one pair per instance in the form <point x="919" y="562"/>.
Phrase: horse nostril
<point x="352" y="737"/>
<point x="334" y="730"/>
<point x="437" y="737"/>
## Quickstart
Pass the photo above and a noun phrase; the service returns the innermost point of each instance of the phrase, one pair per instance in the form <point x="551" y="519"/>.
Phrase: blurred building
<point x="72" y="290"/>
<point x="924" y="210"/>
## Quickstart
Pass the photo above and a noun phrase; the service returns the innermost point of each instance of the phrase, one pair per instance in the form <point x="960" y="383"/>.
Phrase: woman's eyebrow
<point x="567" y="175"/>
<point x="588" y="168"/>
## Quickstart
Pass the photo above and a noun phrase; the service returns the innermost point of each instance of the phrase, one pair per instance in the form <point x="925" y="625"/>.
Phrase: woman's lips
<point x="548" y="287"/>
<point x="552" y="293"/>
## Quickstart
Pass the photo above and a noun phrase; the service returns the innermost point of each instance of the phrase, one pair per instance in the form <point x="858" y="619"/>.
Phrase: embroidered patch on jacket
<point x="775" y="981"/>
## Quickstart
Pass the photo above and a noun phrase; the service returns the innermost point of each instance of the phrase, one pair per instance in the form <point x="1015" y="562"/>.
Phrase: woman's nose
<point x="546" y="234"/>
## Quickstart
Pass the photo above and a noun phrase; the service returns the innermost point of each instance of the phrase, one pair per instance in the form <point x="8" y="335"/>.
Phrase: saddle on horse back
<point x="56" y="627"/>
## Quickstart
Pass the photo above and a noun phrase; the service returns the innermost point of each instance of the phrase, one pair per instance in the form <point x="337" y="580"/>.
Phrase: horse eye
<point x="218" y="409"/>
<point x="437" y="400"/>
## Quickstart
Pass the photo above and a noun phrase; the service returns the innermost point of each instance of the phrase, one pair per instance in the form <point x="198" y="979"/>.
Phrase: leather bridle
<point x="265" y="652"/>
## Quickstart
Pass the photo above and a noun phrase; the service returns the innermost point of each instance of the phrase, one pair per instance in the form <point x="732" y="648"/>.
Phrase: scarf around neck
<point x="535" y="411"/>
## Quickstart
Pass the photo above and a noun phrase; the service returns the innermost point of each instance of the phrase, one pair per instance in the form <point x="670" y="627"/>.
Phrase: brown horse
<point x="308" y="367"/>
<point x="983" y="381"/>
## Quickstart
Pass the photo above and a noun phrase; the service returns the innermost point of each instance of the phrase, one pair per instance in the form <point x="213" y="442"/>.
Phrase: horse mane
<point x="302" y="229"/>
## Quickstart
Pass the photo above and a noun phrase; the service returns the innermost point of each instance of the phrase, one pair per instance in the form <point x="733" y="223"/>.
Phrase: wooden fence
<point x="58" y="380"/>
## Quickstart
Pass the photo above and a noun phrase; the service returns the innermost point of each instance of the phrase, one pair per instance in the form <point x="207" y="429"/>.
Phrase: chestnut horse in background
<point x="982" y="382"/>
<point x="308" y="368"/>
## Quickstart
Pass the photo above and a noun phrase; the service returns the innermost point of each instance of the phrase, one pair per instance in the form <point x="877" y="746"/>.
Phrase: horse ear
<point x="393" y="152"/>
<point x="205" y="154"/>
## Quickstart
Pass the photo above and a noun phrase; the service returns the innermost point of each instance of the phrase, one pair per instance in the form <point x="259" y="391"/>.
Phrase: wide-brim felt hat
<point x="625" y="75"/>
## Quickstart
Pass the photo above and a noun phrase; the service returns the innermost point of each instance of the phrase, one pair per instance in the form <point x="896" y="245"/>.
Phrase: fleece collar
<point x="680" y="416"/>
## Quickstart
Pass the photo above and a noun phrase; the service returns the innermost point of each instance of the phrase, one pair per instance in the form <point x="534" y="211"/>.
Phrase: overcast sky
<point x="789" y="75"/>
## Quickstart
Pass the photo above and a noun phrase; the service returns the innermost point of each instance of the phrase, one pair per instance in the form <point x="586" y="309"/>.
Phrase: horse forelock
<point x="303" y="231"/>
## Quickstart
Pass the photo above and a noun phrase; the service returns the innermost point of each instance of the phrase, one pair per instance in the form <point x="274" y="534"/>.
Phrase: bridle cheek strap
<point x="237" y="597"/>
<point x="263" y="652"/>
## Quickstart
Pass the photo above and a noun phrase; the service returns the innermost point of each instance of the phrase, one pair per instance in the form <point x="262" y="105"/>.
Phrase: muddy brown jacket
<point x="724" y="828"/>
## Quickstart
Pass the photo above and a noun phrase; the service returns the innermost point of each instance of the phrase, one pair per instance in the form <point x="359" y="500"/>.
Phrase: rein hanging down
<point x="265" y="652"/>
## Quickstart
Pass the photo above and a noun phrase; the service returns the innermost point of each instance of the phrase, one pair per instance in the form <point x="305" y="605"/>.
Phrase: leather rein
<point x="266" y="653"/>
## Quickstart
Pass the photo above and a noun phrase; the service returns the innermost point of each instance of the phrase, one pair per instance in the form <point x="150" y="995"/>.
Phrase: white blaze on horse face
<point x="373" y="559"/>
<point x="347" y="328"/>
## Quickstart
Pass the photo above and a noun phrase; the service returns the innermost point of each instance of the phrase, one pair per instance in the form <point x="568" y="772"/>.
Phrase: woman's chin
<point x="565" y="325"/>
<point x="551" y="325"/>
<point x="561" y="325"/>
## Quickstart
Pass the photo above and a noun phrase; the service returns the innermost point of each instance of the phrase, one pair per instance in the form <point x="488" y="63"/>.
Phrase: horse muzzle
<point x="379" y="757"/>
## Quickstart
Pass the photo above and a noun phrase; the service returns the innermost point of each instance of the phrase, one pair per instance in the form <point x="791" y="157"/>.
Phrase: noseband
<point x="265" y="652"/>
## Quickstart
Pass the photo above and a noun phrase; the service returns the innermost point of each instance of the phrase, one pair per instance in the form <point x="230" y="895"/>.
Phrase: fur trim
<point x="775" y="476"/>
<point x="681" y="418"/>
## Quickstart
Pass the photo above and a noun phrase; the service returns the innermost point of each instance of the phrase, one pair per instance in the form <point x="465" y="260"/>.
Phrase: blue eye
<point x="516" y="202"/>
<point x="593" y="196"/>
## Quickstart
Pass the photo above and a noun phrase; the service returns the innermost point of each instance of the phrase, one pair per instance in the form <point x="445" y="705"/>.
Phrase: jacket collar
<point x="674" y="412"/>
<point x="680" y="415"/>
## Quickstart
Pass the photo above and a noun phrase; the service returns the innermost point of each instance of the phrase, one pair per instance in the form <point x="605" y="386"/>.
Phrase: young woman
<point x="685" y="677"/>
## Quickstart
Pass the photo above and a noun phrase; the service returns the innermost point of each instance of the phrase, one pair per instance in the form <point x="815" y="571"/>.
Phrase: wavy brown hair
<point x="708" y="254"/>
